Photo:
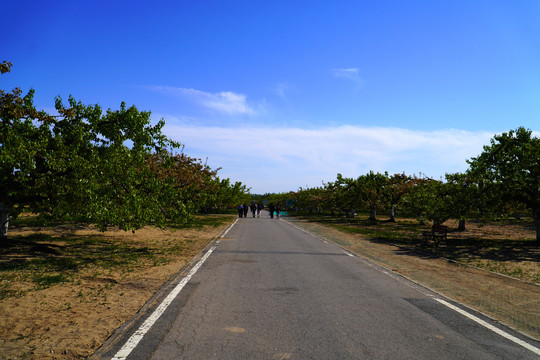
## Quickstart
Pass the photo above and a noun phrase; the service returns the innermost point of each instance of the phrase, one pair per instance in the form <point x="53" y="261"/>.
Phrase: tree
<point x="112" y="168"/>
<point x="221" y="195"/>
<point x="352" y="194"/>
<point x="5" y="67"/>
<point x="335" y="196"/>
<point x="428" y="199"/>
<point x="193" y="186"/>
<point x="508" y="171"/>
<point x="372" y="189"/>
<point x="81" y="164"/>
<point x="23" y="137"/>
<point x="311" y="198"/>
<point x="398" y="186"/>
<point x="364" y="191"/>
<point x="463" y="196"/>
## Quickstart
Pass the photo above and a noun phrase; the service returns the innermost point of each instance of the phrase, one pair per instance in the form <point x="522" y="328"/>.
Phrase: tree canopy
<point x="508" y="171"/>
<point x="107" y="168"/>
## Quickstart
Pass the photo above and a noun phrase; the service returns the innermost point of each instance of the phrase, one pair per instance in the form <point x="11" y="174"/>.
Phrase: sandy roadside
<point x="71" y="320"/>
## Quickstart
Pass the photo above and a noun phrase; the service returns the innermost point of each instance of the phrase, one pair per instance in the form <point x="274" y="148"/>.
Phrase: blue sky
<point x="286" y="94"/>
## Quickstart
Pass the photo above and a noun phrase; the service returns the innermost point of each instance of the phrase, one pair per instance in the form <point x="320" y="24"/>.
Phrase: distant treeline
<point x="501" y="181"/>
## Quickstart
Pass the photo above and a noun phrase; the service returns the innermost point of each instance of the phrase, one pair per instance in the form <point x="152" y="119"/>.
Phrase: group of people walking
<point x="257" y="208"/>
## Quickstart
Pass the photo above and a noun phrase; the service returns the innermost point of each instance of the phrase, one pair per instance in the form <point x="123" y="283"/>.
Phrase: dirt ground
<point x="53" y="313"/>
<point x="71" y="319"/>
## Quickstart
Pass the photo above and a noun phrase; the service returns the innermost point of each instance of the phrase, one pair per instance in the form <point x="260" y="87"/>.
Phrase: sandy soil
<point x="72" y="319"/>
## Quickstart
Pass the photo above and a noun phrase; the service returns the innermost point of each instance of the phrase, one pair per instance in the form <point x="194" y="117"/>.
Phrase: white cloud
<point x="226" y="102"/>
<point x="348" y="73"/>
<point x="282" y="89"/>
<point x="281" y="159"/>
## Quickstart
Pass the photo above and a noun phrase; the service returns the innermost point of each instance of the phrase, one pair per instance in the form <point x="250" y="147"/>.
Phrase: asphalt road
<point x="271" y="291"/>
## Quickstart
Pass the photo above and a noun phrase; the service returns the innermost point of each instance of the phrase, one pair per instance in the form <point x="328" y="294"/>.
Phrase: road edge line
<point x="490" y="327"/>
<point x="105" y="350"/>
<point x="137" y="336"/>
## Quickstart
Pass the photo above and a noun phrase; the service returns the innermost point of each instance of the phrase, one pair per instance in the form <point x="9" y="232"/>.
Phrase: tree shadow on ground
<point x="460" y="246"/>
<point x="42" y="252"/>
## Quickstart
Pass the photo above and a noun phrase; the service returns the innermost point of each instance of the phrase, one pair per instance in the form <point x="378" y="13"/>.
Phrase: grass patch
<point x="45" y="281"/>
<point x="7" y="291"/>
<point x="200" y="221"/>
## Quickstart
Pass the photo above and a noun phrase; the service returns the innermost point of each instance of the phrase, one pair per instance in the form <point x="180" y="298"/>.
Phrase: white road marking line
<point x="491" y="327"/>
<point x="134" y="340"/>
<point x="320" y="238"/>
<point x="228" y="229"/>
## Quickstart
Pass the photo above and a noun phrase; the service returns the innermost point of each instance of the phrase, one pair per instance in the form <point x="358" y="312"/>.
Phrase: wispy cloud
<point x="282" y="89"/>
<point x="226" y="102"/>
<point x="282" y="159"/>
<point x="348" y="73"/>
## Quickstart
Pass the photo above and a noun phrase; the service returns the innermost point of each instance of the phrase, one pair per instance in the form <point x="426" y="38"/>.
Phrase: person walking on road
<point x="278" y="209"/>
<point x="271" y="208"/>
<point x="240" y="210"/>
<point x="246" y="209"/>
<point x="259" y="208"/>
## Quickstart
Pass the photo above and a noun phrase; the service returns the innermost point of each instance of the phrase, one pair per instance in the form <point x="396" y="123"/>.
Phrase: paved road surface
<point x="271" y="291"/>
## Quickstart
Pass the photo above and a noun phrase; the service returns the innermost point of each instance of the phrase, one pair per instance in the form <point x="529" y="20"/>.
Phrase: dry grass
<point x="65" y="289"/>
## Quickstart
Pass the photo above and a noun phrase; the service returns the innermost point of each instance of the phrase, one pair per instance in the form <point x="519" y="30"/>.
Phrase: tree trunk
<point x="536" y="217"/>
<point x="461" y="225"/>
<point x="4" y="221"/>
<point x="393" y="214"/>
<point x="373" y="215"/>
